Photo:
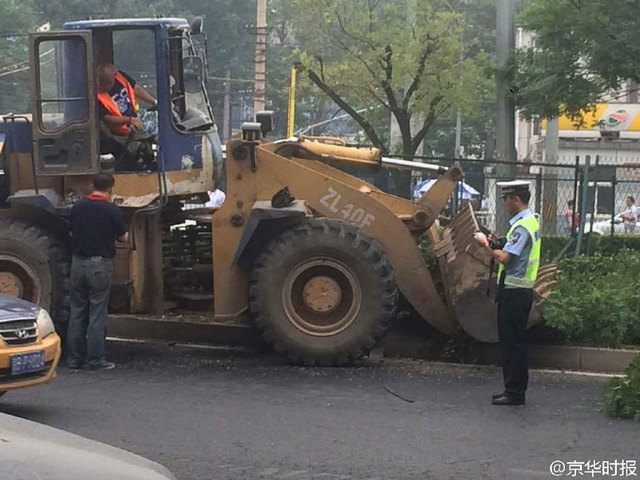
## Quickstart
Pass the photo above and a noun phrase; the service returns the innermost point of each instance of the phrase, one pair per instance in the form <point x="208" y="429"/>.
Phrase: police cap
<point x="513" y="187"/>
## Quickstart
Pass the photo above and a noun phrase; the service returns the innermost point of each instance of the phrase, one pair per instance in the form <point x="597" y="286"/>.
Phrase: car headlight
<point x="45" y="324"/>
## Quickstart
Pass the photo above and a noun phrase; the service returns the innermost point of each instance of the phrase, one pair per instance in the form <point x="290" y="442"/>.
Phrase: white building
<point x="609" y="136"/>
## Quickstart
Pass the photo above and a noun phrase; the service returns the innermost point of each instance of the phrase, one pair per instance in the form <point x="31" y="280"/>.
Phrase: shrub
<point x="597" y="300"/>
<point x="622" y="394"/>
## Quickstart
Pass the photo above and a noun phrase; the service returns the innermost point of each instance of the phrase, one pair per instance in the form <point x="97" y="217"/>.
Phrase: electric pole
<point x="506" y="112"/>
<point x="226" y="121"/>
<point x="260" y="59"/>
<point x="550" y="184"/>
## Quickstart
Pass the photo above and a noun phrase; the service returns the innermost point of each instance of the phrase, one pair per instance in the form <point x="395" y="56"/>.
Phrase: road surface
<point x="214" y="415"/>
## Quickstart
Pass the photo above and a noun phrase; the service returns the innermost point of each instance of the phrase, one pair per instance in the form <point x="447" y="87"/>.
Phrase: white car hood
<point x="30" y="451"/>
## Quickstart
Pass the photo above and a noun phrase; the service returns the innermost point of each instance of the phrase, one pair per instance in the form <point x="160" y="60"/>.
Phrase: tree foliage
<point x="402" y="57"/>
<point x="583" y="49"/>
<point x="414" y="42"/>
<point x="16" y="18"/>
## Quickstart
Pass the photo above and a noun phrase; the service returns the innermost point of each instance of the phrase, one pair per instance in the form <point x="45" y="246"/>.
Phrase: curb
<point x="169" y="329"/>
<point x="395" y="344"/>
<point x="557" y="357"/>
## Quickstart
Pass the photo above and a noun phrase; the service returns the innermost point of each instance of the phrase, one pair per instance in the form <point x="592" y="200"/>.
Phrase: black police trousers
<point x="514" y="305"/>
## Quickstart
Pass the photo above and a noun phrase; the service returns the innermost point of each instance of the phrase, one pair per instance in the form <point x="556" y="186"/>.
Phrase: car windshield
<point x="191" y="110"/>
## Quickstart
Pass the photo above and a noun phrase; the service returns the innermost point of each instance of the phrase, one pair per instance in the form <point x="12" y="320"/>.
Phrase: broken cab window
<point x="62" y="83"/>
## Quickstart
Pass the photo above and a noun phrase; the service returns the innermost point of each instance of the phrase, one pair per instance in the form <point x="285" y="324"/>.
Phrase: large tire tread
<point x="362" y="245"/>
<point x="58" y="301"/>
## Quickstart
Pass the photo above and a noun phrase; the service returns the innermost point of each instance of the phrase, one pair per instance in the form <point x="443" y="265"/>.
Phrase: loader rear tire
<point x="34" y="265"/>
<point x="323" y="292"/>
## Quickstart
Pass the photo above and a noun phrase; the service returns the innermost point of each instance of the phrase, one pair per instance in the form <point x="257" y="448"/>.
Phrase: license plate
<point x="27" y="363"/>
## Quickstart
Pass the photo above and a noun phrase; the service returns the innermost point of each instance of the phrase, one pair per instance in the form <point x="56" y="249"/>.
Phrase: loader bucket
<point x="471" y="288"/>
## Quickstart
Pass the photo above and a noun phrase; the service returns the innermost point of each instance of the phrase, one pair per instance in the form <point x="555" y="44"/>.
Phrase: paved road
<point x="214" y="415"/>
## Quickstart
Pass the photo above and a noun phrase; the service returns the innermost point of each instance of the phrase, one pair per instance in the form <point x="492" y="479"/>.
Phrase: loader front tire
<point x="323" y="292"/>
<point x="34" y="265"/>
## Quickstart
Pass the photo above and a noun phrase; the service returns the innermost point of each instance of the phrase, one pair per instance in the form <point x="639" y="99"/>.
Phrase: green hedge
<point x="622" y="395"/>
<point x="603" y="245"/>
<point x="597" y="300"/>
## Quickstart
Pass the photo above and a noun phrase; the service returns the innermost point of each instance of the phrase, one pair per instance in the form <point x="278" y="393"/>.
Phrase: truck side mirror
<point x="197" y="26"/>
<point x="193" y="74"/>
<point x="266" y="121"/>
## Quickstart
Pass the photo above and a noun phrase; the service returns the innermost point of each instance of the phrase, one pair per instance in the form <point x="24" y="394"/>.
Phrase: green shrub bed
<point x="597" y="300"/>
<point x="599" y="244"/>
<point x="622" y="395"/>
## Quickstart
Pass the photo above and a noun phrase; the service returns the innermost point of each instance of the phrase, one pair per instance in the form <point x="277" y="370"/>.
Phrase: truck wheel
<point x="323" y="292"/>
<point x="34" y="265"/>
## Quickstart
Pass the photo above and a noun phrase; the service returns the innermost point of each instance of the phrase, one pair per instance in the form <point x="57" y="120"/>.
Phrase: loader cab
<point x="159" y="55"/>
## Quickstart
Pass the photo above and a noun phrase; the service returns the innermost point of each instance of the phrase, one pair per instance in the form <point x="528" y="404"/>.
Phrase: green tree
<point x="583" y="49"/>
<point x="312" y="106"/>
<point x="16" y="19"/>
<point x="57" y="12"/>
<point x="401" y="56"/>
<point x="478" y="123"/>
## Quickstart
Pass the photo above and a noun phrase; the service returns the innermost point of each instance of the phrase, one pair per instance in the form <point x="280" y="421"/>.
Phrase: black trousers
<point x="514" y="305"/>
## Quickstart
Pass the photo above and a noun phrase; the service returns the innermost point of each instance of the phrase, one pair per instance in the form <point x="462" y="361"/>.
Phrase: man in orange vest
<point x="118" y="96"/>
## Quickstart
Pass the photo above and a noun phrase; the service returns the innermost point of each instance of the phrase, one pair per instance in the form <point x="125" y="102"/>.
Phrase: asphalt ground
<point x="218" y="414"/>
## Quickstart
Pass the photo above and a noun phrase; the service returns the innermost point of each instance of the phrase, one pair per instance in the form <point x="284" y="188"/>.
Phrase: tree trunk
<point x="403" y="144"/>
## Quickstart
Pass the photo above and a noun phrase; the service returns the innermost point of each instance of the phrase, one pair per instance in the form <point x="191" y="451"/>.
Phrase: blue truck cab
<point x="49" y="156"/>
<point x="62" y="136"/>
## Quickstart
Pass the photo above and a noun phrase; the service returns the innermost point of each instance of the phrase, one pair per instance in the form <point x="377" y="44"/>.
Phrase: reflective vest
<point x="112" y="109"/>
<point x="532" y="227"/>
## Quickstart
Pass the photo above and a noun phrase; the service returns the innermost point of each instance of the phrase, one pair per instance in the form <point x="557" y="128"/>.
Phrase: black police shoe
<point x="508" y="400"/>
<point x="497" y="395"/>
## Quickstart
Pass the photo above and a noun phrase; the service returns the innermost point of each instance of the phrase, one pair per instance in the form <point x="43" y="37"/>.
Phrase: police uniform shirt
<point x="519" y="246"/>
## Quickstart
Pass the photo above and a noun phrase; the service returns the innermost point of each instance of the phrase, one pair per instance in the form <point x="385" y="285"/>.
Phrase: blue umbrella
<point x="465" y="191"/>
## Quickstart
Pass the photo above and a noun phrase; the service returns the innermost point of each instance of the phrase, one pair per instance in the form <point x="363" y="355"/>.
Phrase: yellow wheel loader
<point x="324" y="272"/>
<point x="317" y="257"/>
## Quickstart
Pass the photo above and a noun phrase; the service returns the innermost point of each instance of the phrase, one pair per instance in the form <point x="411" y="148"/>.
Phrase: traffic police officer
<point x="518" y="260"/>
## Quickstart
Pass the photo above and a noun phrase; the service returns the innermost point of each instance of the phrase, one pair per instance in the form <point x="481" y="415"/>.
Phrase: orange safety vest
<point x="107" y="102"/>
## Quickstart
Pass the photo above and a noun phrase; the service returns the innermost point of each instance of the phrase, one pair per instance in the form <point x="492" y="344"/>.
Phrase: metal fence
<point x="577" y="195"/>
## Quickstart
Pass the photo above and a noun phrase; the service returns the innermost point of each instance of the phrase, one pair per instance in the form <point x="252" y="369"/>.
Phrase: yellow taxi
<point x="29" y="346"/>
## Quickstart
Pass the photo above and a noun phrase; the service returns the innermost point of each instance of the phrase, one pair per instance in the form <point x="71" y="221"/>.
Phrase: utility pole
<point x="458" y="151"/>
<point x="291" y="109"/>
<point x="260" y="59"/>
<point x="226" y="121"/>
<point x="403" y="179"/>
<point x="458" y="148"/>
<point x="395" y="136"/>
<point x="550" y="184"/>
<point x="506" y="112"/>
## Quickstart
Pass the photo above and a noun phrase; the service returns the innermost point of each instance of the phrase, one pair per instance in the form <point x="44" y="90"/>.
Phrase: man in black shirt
<point x="96" y="223"/>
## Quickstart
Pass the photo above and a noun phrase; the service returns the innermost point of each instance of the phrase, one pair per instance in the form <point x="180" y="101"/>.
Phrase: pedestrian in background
<point x="630" y="215"/>
<point x="571" y="219"/>
<point x="484" y="203"/>
<point x="518" y="260"/>
<point x="96" y="223"/>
